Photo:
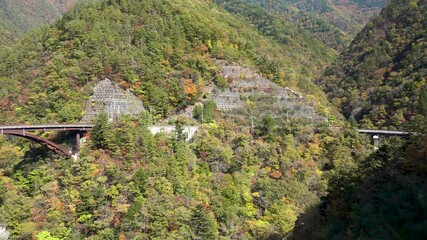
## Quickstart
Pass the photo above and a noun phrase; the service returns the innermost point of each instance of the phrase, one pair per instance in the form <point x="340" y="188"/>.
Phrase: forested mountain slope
<point x="350" y="16"/>
<point x="288" y="24"/>
<point x="230" y="182"/>
<point x="380" y="82"/>
<point x="333" y="22"/>
<point x="18" y="16"/>
<point x="147" y="48"/>
<point x="381" y="79"/>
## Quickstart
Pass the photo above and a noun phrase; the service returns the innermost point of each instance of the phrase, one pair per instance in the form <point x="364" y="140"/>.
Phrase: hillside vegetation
<point x="231" y="181"/>
<point x="380" y="82"/>
<point x="380" y="197"/>
<point x="381" y="79"/>
<point x="228" y="183"/>
<point x="333" y="22"/>
<point x="19" y="16"/>
<point x="248" y="173"/>
<point x="157" y="50"/>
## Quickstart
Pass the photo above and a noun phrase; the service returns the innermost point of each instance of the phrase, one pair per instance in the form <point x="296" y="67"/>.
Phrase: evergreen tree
<point x="203" y="224"/>
<point x="267" y="128"/>
<point x="101" y="132"/>
<point x="180" y="135"/>
<point x="3" y="191"/>
<point x="205" y="113"/>
<point x="140" y="181"/>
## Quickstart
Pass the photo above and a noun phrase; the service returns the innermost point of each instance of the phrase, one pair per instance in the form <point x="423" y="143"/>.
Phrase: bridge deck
<point x="44" y="127"/>
<point x="85" y="127"/>
<point x="384" y="132"/>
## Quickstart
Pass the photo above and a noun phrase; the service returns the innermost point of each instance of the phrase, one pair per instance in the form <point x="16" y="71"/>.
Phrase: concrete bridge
<point x="25" y="132"/>
<point x="377" y="133"/>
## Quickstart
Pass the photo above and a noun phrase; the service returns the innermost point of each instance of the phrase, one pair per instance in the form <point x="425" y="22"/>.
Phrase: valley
<point x="224" y="119"/>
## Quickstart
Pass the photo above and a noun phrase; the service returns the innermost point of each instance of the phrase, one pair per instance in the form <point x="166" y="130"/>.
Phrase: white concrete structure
<point x="4" y="233"/>
<point x="188" y="130"/>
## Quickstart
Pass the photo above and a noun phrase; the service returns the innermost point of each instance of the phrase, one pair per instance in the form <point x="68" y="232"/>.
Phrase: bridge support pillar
<point x="376" y="139"/>
<point x="77" y="142"/>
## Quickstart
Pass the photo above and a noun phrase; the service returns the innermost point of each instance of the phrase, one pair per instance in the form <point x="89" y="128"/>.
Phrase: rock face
<point x="112" y="100"/>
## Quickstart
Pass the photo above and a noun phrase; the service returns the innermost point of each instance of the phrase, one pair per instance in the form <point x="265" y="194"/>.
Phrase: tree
<point x="140" y="181"/>
<point x="190" y="89"/>
<point x="423" y="102"/>
<point x="209" y="111"/>
<point x="180" y="135"/>
<point x="9" y="155"/>
<point x="45" y="235"/>
<point x="198" y="112"/>
<point x="203" y="224"/>
<point x="284" y="216"/>
<point x="101" y="132"/>
<point x="205" y="112"/>
<point x="3" y="191"/>
<point x="267" y="128"/>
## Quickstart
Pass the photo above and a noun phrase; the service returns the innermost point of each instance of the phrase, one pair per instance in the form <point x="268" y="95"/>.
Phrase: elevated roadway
<point x="25" y="132"/>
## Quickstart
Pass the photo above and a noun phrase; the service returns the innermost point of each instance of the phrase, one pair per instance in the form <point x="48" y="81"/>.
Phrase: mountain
<point x="238" y="177"/>
<point x="350" y="16"/>
<point x="381" y="79"/>
<point x="18" y="16"/>
<point x="268" y="161"/>
<point x="284" y="25"/>
<point x="379" y="82"/>
<point x="333" y="22"/>
<point x="49" y="73"/>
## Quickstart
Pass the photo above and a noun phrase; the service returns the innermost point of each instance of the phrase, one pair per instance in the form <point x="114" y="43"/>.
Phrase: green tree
<point x="423" y="102"/>
<point x="10" y="155"/>
<point x="140" y="179"/>
<point x="267" y="128"/>
<point x="205" y="113"/>
<point x="45" y="235"/>
<point x="101" y="132"/>
<point x="3" y="191"/>
<point x="203" y="224"/>
<point x="180" y="135"/>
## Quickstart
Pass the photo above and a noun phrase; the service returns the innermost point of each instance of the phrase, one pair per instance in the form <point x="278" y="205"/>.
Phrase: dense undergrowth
<point x="227" y="183"/>
<point x="381" y="79"/>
